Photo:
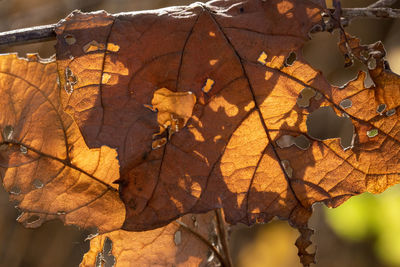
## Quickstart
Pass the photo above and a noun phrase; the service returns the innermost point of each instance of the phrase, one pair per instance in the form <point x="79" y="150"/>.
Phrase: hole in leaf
<point x="364" y="54"/>
<point x="292" y="57"/>
<point x="210" y="256"/>
<point x="331" y="64"/>
<point x="33" y="219"/>
<point x="300" y="141"/>
<point x="68" y="88"/>
<point x="178" y="238"/>
<point x="194" y="220"/>
<point x="346" y="103"/>
<point x="99" y="259"/>
<point x="15" y="190"/>
<point x="348" y="61"/>
<point x="372" y="133"/>
<point x="241" y="10"/>
<point x="109" y="259"/>
<point x="69" y="39"/>
<point x="372" y="63"/>
<point x="37" y="183"/>
<point x="323" y="124"/>
<point x="8" y="133"/>
<point x="390" y="112"/>
<point x="305" y="96"/>
<point x="23" y="149"/>
<point x="70" y="81"/>
<point x="381" y="108"/>
<point x="288" y="169"/>
<point x="285" y="141"/>
<point x="105" y="257"/>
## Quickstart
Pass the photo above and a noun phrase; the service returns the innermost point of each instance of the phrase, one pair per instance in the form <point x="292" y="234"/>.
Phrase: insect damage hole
<point x="105" y="258"/>
<point x="390" y="112"/>
<point x="323" y="124"/>
<point x="291" y="58"/>
<point x="372" y="133"/>
<point x="70" y="81"/>
<point x="8" y="133"/>
<point x="178" y="238"/>
<point x="346" y="103"/>
<point x="303" y="101"/>
<point x="15" y="190"/>
<point x="381" y="108"/>
<point x="300" y="141"/>
<point x="288" y="169"/>
<point x="32" y="219"/>
<point x="69" y="39"/>
<point x="38" y="183"/>
<point x="23" y="149"/>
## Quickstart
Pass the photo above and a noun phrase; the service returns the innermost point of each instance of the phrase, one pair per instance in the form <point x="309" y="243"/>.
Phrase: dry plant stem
<point x="377" y="13"/>
<point x="221" y="259"/>
<point x="382" y="3"/>
<point x="223" y="235"/>
<point x="28" y="35"/>
<point x="46" y="32"/>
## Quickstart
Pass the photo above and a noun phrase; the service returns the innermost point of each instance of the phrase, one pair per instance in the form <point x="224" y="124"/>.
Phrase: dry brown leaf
<point x="177" y="244"/>
<point x="245" y="139"/>
<point x="212" y="161"/>
<point x="44" y="161"/>
<point x="243" y="62"/>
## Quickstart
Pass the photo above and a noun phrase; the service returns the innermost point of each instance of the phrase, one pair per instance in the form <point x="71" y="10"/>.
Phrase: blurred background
<point x="363" y="232"/>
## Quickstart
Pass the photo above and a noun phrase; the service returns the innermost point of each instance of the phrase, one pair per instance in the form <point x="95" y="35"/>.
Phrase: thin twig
<point x="205" y="242"/>
<point x="223" y="235"/>
<point x="46" y="32"/>
<point x="366" y="12"/>
<point x="28" y="35"/>
<point x="382" y="3"/>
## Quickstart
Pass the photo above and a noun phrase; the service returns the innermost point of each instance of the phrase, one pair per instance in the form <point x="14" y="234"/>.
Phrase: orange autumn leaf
<point x="212" y="160"/>
<point x="44" y="161"/>
<point x="182" y="243"/>
<point x="50" y="172"/>
<point x="243" y="62"/>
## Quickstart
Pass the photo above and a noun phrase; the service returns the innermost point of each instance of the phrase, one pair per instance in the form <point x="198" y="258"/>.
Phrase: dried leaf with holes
<point x="182" y="243"/>
<point x="225" y="153"/>
<point x="209" y="106"/>
<point x="44" y="161"/>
